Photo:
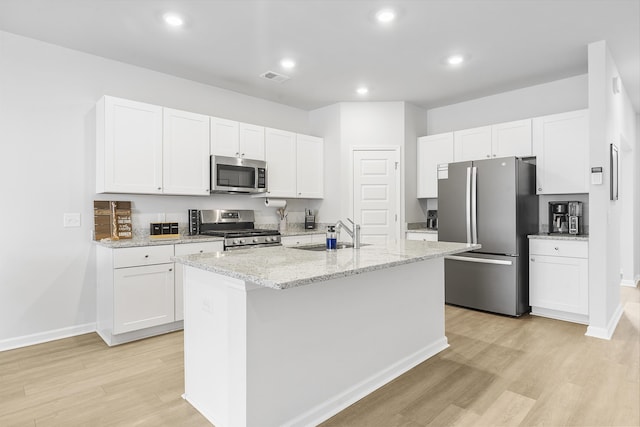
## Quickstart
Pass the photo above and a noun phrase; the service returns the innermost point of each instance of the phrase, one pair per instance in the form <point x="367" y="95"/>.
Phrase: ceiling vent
<point x="274" y="77"/>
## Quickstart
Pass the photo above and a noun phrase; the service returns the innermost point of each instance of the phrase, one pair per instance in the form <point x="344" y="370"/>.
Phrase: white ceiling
<point x="338" y="46"/>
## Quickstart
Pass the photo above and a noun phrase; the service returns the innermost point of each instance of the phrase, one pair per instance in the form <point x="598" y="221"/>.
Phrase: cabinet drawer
<point x="297" y="240"/>
<point x="565" y="248"/>
<point x="198" y="248"/>
<point x="427" y="237"/>
<point x="144" y="255"/>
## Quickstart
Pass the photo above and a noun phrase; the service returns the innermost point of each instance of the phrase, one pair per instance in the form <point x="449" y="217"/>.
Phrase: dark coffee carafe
<point x="558" y="218"/>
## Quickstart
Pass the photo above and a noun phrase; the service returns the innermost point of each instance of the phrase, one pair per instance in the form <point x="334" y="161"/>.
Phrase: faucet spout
<point x="354" y="233"/>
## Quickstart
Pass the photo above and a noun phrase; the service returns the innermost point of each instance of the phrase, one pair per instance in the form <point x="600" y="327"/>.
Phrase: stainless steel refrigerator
<point x="492" y="202"/>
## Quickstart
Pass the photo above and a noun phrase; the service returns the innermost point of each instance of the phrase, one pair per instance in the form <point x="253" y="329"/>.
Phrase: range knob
<point x="241" y="241"/>
<point x="256" y="240"/>
<point x="235" y="241"/>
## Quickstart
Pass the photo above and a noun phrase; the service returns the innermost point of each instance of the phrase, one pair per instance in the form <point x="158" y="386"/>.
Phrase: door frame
<point x="393" y="148"/>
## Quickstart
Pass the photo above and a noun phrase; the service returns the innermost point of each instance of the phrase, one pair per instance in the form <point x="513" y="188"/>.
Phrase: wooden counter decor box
<point x="112" y="220"/>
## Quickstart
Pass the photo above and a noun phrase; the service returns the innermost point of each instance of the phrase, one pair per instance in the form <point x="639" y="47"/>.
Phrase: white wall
<point x="611" y="120"/>
<point x="47" y="97"/>
<point x="326" y="121"/>
<point x="548" y="98"/>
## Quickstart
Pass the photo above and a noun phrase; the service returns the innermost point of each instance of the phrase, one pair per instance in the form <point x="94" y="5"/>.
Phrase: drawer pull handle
<point x="201" y="250"/>
<point x="146" y="256"/>
<point x="556" y="248"/>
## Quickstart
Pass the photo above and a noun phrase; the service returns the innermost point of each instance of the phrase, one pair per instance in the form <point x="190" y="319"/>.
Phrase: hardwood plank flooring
<point x="498" y="371"/>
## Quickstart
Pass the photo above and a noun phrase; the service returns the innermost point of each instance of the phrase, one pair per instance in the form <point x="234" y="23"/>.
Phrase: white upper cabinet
<point x="225" y="137"/>
<point x="511" y="139"/>
<point x="561" y="147"/>
<point x="280" y="148"/>
<point x="499" y="140"/>
<point x="295" y="166"/>
<point x="185" y="153"/>
<point x="128" y="147"/>
<point x="472" y="144"/>
<point x="251" y="141"/>
<point x="309" y="167"/>
<point x="233" y="139"/>
<point x="433" y="150"/>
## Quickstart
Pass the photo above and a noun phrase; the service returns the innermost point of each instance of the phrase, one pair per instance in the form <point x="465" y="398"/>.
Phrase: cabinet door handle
<point x="556" y="248"/>
<point x="146" y="256"/>
<point x="171" y="269"/>
<point x="539" y="188"/>
<point x="201" y="250"/>
<point x="533" y="260"/>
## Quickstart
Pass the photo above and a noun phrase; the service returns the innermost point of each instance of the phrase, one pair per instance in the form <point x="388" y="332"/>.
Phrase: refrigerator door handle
<point x="479" y="260"/>
<point x="467" y="206"/>
<point x="474" y="204"/>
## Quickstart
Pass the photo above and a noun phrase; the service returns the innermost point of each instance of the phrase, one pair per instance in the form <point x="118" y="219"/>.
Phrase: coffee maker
<point x="574" y="215"/>
<point x="558" y="218"/>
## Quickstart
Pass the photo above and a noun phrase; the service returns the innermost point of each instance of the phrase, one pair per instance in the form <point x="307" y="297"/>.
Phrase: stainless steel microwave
<point x="238" y="175"/>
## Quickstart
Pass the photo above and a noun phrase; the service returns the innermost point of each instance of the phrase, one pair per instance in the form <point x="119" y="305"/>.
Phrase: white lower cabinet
<point x="427" y="237"/>
<point x="142" y="297"/>
<point x="559" y="279"/>
<point x="189" y="249"/>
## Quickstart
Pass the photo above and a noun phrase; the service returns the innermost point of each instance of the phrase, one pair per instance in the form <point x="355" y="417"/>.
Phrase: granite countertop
<point x="147" y="241"/>
<point x="546" y="236"/>
<point x="281" y="267"/>
<point x="423" y="230"/>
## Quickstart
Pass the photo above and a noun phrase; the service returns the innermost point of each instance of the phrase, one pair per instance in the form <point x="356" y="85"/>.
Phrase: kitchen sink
<point x="323" y="247"/>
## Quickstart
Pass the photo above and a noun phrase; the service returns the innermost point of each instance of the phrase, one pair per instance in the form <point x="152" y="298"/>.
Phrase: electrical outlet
<point x="71" y="220"/>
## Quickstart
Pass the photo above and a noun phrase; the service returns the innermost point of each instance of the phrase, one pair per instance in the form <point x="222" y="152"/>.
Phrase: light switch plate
<point x="71" y="220"/>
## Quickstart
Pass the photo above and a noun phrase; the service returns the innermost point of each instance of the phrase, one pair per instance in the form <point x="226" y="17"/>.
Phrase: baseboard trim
<point x="326" y="410"/>
<point x="606" y="333"/>
<point x="628" y="283"/>
<point x="42" y="337"/>
<point x="560" y="315"/>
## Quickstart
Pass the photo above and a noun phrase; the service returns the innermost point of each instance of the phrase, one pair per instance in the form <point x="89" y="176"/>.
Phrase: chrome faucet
<point x="354" y="233"/>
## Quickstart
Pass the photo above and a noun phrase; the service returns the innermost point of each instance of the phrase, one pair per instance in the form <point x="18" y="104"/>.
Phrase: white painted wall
<point x="611" y="120"/>
<point x="347" y="125"/>
<point x="47" y="96"/>
<point x="548" y="98"/>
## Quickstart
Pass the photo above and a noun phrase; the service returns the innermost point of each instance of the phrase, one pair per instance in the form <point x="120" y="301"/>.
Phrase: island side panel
<point x="262" y="357"/>
<point x="314" y="350"/>
<point x="215" y="346"/>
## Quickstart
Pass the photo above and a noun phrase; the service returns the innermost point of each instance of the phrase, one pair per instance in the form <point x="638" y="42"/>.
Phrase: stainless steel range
<point x="237" y="227"/>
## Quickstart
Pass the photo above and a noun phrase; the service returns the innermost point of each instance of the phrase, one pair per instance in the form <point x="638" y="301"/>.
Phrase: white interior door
<point x="376" y="194"/>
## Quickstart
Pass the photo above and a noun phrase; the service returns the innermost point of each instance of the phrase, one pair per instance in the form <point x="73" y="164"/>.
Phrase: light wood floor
<point x="498" y="372"/>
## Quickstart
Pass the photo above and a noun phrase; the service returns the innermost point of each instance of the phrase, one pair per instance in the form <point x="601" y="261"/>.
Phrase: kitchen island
<point x="288" y="337"/>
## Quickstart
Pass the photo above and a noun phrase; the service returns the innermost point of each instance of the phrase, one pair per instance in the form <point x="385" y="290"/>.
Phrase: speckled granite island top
<point x="545" y="236"/>
<point x="282" y="267"/>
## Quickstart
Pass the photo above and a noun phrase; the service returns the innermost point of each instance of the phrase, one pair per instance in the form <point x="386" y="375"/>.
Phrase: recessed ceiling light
<point x="362" y="90"/>
<point x="173" y="19"/>
<point x="385" y="15"/>
<point x="455" y="59"/>
<point x="288" y="63"/>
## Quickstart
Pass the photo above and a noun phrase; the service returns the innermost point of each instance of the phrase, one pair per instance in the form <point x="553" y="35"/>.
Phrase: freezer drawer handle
<point x="480" y="260"/>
